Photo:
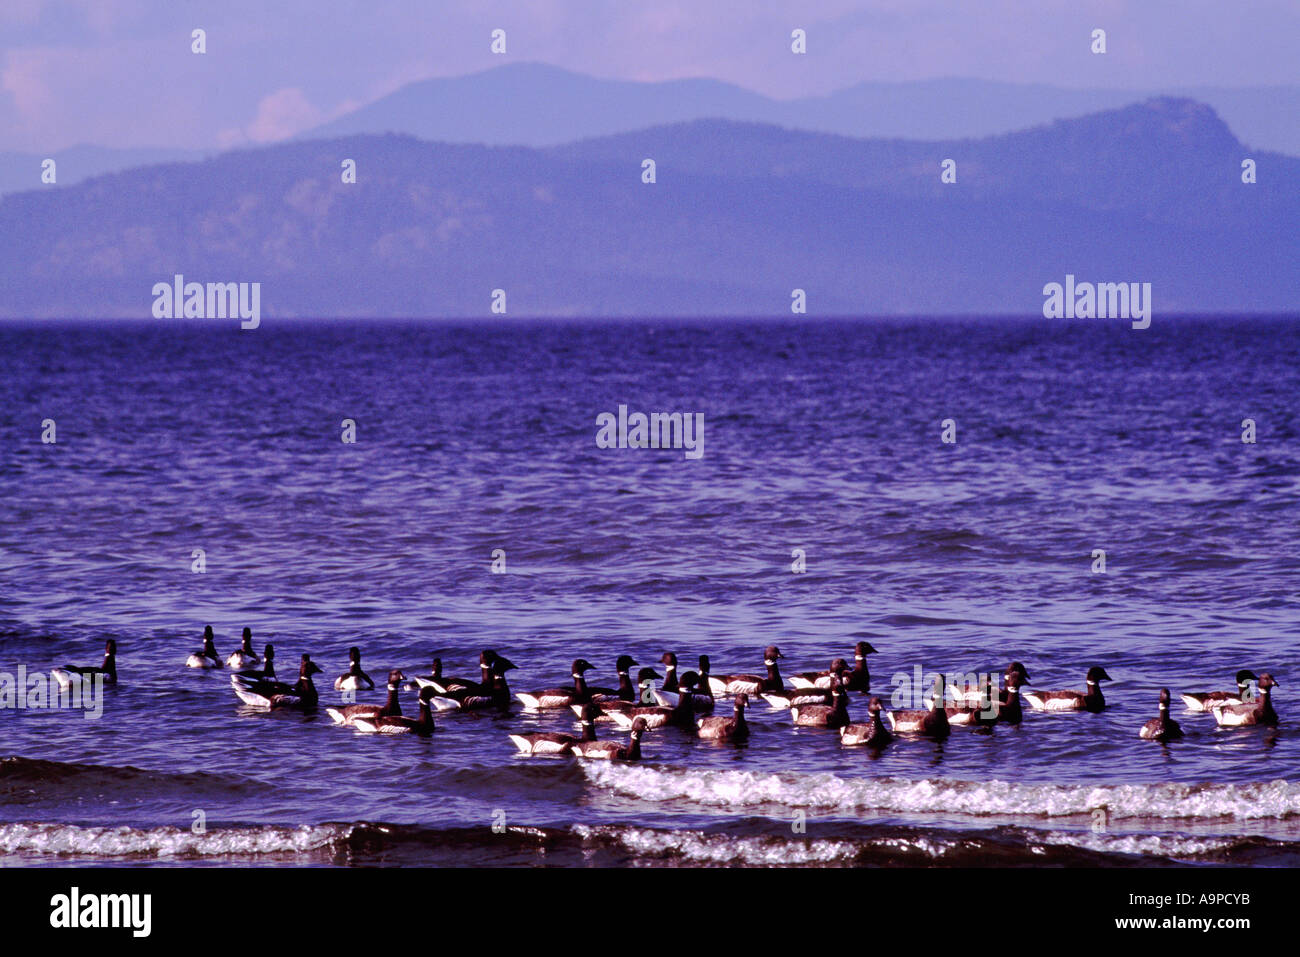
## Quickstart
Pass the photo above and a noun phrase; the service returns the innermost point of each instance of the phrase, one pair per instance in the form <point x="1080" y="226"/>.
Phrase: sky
<point x="121" y="73"/>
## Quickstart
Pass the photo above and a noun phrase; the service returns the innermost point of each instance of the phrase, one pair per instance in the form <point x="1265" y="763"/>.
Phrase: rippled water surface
<point x="821" y="436"/>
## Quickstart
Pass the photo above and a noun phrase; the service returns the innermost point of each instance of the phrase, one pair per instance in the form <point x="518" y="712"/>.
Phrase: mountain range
<point x="533" y="104"/>
<point x="740" y="215"/>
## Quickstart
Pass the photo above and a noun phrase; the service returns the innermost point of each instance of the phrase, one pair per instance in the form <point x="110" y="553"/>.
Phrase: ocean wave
<point x="71" y="840"/>
<point x="993" y="798"/>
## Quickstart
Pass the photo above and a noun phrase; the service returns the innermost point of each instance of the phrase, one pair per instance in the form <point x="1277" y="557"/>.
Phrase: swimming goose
<point x="432" y="680"/>
<point x="1204" y="701"/>
<point x="484" y="681"/>
<point x="1091" y="700"/>
<point x="1258" y="711"/>
<point x="475" y="698"/>
<point x="808" y="693"/>
<point x="398" y="723"/>
<point x="553" y="742"/>
<point x="726" y="729"/>
<point x="245" y="657"/>
<point x="354" y="679"/>
<point x="834" y="715"/>
<point x="859" y="679"/>
<point x="207" y="657"/>
<point x="701" y="695"/>
<point x="1009" y="707"/>
<point x="1161" y="728"/>
<point x="669" y="661"/>
<point x="348" y="714"/>
<point x="605" y="708"/>
<point x="624" y="691"/>
<point x="69" y="675"/>
<point x="751" y="684"/>
<point x="267" y="695"/>
<point x="560" y="697"/>
<point x="932" y="722"/>
<point x="266" y="672"/>
<point x="612" y="750"/>
<point x="873" y="735"/>
<point x="658" y="716"/>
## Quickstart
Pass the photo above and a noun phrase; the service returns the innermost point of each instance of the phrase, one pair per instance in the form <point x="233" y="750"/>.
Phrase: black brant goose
<point x="348" y="714"/>
<point x="726" y="729"/>
<point x="207" y="656"/>
<point x="1161" y="728"/>
<point x="1258" y="711"/>
<point x="612" y="750"/>
<point x="69" y="675"/>
<point x="752" y="684"/>
<point x="398" y="723"/>
<point x="1090" y="700"/>
<point x="354" y="679"/>
<point x="1204" y="701"/>
<point x="553" y="742"/>
<point x="873" y="735"/>
<point x="267" y="695"/>
<point x="245" y="657"/>
<point x="560" y="697"/>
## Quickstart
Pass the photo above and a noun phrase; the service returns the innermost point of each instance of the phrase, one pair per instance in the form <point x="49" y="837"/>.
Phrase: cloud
<point x="279" y="116"/>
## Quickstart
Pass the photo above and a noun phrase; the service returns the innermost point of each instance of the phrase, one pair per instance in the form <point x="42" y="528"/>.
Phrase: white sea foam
<point x="71" y="840"/>
<point x="993" y="798"/>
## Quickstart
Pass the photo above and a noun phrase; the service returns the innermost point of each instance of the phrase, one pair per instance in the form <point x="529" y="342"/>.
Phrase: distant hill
<point x="22" y="171"/>
<point x="534" y="104"/>
<point x="741" y="215"/>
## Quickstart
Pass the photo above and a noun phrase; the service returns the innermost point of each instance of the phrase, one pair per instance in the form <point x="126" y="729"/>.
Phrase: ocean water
<point x="819" y="435"/>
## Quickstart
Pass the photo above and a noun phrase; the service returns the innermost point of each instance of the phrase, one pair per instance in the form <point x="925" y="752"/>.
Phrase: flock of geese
<point x="654" y="700"/>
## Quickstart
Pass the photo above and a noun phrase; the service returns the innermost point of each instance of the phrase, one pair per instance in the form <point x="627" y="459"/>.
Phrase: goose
<point x="484" y="681"/>
<point x="400" y="724"/>
<point x="859" y="679"/>
<point x="475" y="698"/>
<point x="751" y="684"/>
<point x="1009" y="707"/>
<point x="669" y="661"/>
<point x="932" y="722"/>
<point x="658" y="716"/>
<point x="245" y="657"/>
<point x="266" y="672"/>
<point x="976" y="708"/>
<point x="70" y="675"/>
<point x="834" y="715"/>
<point x="1161" y="728"/>
<point x="874" y="734"/>
<point x="552" y="742"/>
<point x="1091" y="700"/>
<point x="432" y="680"/>
<point x="605" y="708"/>
<point x="612" y="750"/>
<point x="268" y="695"/>
<point x="1258" y="711"/>
<point x="726" y="729"/>
<point x="348" y="714"/>
<point x="354" y="679"/>
<point x="701" y="699"/>
<point x="807" y="693"/>
<point x="207" y="656"/>
<point x="1203" y="702"/>
<point x="625" y="691"/>
<point x="560" y="697"/>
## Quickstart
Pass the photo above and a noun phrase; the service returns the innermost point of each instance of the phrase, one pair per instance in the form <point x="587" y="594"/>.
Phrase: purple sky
<point x="120" y="72"/>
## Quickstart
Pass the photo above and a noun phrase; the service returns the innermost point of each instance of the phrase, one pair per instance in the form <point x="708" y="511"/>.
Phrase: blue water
<point x="819" y="435"/>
